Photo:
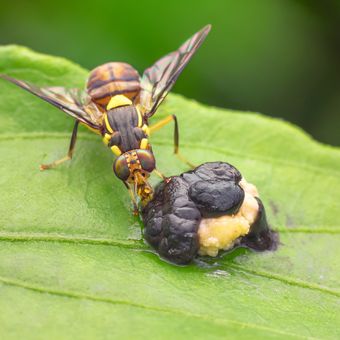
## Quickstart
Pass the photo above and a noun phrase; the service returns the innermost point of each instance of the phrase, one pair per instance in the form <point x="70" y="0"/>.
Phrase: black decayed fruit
<point x="260" y="236"/>
<point x="173" y="216"/>
<point x="214" y="197"/>
<point x="171" y="222"/>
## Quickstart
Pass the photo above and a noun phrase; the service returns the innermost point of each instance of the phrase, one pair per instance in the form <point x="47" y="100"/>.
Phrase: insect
<point x="117" y="105"/>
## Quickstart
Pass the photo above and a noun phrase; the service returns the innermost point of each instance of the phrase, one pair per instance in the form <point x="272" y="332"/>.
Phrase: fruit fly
<point x="117" y="104"/>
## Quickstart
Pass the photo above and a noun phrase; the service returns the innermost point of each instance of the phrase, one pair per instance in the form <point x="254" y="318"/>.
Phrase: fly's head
<point x="134" y="168"/>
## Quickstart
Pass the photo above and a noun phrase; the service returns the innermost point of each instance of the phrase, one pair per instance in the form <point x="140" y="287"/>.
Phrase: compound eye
<point x="146" y="159"/>
<point x="121" y="169"/>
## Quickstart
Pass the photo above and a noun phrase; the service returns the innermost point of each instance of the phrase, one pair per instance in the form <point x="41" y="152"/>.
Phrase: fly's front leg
<point x="70" y="150"/>
<point x="133" y="199"/>
<point x="159" y="174"/>
<point x="164" y="122"/>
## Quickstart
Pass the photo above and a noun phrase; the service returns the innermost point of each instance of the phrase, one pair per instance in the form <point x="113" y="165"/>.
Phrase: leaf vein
<point x="286" y="280"/>
<point x="139" y="245"/>
<point x="80" y="296"/>
<point x="49" y="237"/>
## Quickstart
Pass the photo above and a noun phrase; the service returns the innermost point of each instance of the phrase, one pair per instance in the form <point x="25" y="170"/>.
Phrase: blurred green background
<point x="278" y="57"/>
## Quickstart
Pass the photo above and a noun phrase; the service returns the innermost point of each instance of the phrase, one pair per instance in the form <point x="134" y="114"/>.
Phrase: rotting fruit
<point x="204" y="211"/>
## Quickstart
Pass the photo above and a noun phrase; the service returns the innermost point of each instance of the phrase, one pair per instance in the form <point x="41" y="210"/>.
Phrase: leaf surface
<point x="72" y="262"/>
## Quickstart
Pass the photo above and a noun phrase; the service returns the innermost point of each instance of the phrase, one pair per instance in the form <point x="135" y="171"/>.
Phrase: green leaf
<point x="72" y="263"/>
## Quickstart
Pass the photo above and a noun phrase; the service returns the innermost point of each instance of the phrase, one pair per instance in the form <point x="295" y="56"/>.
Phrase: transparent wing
<point x="74" y="102"/>
<point x="158" y="79"/>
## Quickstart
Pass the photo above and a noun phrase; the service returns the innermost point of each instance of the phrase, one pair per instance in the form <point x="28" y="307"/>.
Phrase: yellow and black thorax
<point x="124" y="127"/>
<point x="113" y="87"/>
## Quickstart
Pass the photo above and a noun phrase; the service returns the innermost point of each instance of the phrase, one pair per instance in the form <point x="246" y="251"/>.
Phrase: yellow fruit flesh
<point x="221" y="233"/>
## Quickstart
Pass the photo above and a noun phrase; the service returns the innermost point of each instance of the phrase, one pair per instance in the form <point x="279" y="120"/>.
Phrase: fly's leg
<point x="69" y="153"/>
<point x="133" y="199"/>
<point x="159" y="174"/>
<point x="165" y="121"/>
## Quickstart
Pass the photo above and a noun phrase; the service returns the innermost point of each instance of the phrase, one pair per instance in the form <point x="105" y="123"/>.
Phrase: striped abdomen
<point x="110" y="79"/>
